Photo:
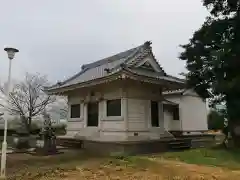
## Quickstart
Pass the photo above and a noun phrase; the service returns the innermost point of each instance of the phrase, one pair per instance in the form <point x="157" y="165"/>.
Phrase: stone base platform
<point x="141" y="147"/>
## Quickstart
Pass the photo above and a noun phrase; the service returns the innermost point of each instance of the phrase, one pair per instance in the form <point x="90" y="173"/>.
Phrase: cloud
<point x="56" y="37"/>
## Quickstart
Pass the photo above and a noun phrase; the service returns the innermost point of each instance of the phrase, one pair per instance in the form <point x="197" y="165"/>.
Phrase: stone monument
<point x="47" y="143"/>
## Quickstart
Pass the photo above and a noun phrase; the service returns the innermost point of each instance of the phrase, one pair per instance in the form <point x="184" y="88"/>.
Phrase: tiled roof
<point x="97" y="69"/>
<point x="109" y="60"/>
<point x="110" y="65"/>
<point x="94" y="72"/>
<point x="184" y="91"/>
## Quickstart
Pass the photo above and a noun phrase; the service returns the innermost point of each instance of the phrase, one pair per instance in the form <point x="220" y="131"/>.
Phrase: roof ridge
<point x="110" y="58"/>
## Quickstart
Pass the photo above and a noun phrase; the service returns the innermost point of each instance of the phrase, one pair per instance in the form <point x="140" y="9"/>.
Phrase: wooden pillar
<point x="161" y="115"/>
<point x="125" y="103"/>
<point x="100" y="115"/>
<point x="161" y="111"/>
<point x="124" y="110"/>
<point x="85" y="115"/>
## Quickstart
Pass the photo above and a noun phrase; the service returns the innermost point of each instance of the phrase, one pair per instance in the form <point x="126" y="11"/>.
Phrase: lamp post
<point x="10" y="52"/>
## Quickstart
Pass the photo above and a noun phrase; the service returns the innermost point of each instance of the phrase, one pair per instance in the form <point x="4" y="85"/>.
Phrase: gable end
<point x="147" y="66"/>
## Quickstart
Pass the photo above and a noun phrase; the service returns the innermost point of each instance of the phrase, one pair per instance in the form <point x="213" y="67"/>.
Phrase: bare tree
<point x="59" y="107"/>
<point x="27" y="98"/>
<point x="64" y="107"/>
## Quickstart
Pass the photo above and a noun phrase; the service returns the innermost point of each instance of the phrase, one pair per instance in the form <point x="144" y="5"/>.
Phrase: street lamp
<point x="10" y="52"/>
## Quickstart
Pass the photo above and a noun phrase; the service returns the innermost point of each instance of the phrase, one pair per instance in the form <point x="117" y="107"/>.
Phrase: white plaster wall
<point x="141" y="91"/>
<point x="167" y="120"/>
<point x="75" y="124"/>
<point x="112" y="136"/>
<point x="137" y="115"/>
<point x="169" y="123"/>
<point x="194" y="116"/>
<point x="192" y="112"/>
<point x="175" y="125"/>
<point x="113" y="125"/>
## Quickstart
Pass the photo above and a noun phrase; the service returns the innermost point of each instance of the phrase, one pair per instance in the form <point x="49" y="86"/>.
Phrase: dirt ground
<point x="139" y="168"/>
<point x="166" y="170"/>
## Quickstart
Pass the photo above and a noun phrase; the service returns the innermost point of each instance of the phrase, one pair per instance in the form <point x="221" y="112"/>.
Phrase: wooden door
<point x="92" y="119"/>
<point x="154" y="114"/>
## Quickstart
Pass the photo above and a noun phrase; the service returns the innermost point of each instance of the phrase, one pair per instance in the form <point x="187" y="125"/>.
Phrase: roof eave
<point x="178" y="84"/>
<point x="64" y="89"/>
<point x="173" y="93"/>
<point x="120" y="74"/>
<point x="165" y="101"/>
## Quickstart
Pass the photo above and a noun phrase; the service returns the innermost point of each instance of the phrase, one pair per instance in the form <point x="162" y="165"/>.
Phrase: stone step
<point x="70" y="142"/>
<point x="180" y="144"/>
<point x="181" y="147"/>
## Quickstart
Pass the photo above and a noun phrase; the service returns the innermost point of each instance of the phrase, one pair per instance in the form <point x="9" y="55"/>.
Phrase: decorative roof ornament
<point x="147" y="44"/>
<point x="107" y="70"/>
<point x="122" y="65"/>
<point x="83" y="66"/>
<point x="59" y="83"/>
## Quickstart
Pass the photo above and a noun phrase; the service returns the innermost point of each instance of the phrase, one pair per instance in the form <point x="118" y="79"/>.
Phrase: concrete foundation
<point x="142" y="147"/>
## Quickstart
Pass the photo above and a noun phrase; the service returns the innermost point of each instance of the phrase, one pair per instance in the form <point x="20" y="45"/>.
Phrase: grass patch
<point x="130" y="161"/>
<point x="213" y="157"/>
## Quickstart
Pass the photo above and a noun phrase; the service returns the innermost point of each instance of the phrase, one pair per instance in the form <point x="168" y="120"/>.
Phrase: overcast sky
<point x="56" y="37"/>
